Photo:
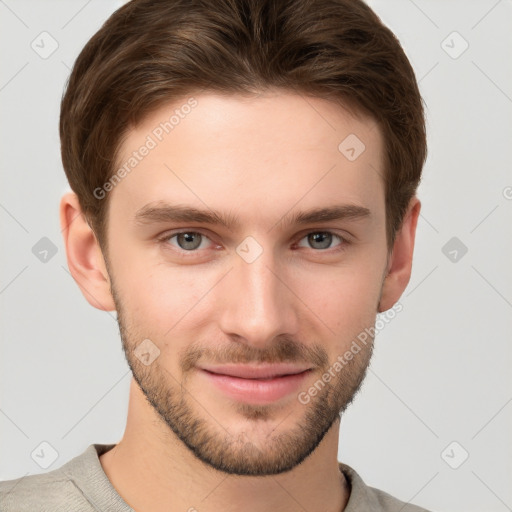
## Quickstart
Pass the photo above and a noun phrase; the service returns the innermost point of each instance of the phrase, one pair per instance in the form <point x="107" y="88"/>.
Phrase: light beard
<point x="282" y="449"/>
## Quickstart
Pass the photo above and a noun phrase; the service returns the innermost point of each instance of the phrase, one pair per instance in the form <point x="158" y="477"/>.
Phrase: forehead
<point x="257" y="155"/>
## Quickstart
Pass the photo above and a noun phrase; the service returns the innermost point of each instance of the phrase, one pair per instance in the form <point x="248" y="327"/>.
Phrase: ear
<point x="400" y="263"/>
<point x="84" y="256"/>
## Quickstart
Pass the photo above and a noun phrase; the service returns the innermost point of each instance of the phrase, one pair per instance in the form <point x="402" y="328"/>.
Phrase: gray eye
<point x="188" y="240"/>
<point x="320" y="239"/>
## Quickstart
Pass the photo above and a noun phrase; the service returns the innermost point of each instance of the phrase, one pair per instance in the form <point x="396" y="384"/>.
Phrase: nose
<point x="257" y="301"/>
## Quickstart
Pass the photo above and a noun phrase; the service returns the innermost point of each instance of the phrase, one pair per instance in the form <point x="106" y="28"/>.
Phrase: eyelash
<point x="164" y="239"/>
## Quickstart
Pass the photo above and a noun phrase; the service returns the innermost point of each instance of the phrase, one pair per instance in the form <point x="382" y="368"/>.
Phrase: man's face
<point x="266" y="289"/>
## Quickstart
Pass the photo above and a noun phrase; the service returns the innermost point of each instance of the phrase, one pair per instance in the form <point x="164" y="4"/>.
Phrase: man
<point x="244" y="179"/>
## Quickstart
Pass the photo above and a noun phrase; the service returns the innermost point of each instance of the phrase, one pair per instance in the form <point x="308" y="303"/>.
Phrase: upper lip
<point x="260" y="371"/>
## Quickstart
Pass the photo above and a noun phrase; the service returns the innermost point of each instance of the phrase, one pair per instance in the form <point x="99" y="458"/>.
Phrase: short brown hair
<point x="151" y="52"/>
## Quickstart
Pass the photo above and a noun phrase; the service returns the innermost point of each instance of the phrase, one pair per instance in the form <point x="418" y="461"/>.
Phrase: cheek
<point x="154" y="293"/>
<point x="161" y="297"/>
<point x="165" y="306"/>
<point x="344" y="303"/>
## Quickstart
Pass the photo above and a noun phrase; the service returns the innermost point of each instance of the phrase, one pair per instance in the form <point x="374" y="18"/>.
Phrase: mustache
<point x="283" y="350"/>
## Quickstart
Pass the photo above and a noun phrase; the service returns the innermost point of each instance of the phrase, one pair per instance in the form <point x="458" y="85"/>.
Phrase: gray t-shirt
<point x="81" y="485"/>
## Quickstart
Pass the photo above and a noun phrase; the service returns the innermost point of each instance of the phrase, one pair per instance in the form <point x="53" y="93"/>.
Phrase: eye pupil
<point x="190" y="241"/>
<point x="323" y="237"/>
<point x="186" y="238"/>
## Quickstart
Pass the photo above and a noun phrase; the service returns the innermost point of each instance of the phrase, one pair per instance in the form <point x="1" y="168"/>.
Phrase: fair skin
<point x="300" y="300"/>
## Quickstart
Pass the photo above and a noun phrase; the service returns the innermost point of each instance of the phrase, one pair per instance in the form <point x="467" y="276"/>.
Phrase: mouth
<point x="256" y="384"/>
<point x="258" y="372"/>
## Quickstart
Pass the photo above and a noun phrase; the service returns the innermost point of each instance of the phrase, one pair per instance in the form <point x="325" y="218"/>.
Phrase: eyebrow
<point x="162" y="212"/>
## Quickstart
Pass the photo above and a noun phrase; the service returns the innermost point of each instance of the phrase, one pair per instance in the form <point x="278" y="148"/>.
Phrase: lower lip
<point x="257" y="390"/>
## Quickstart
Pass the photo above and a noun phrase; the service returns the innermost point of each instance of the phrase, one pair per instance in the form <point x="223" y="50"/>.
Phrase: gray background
<point x="439" y="375"/>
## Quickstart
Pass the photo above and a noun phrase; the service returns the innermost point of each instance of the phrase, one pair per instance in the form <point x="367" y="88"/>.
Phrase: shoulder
<point x="47" y="491"/>
<point x="53" y="491"/>
<point x="364" y="498"/>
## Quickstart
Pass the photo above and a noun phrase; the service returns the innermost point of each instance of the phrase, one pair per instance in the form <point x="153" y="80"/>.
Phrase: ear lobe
<point x="84" y="256"/>
<point x="400" y="262"/>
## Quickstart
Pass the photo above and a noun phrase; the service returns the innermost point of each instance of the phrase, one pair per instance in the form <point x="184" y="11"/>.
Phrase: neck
<point x="153" y="470"/>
